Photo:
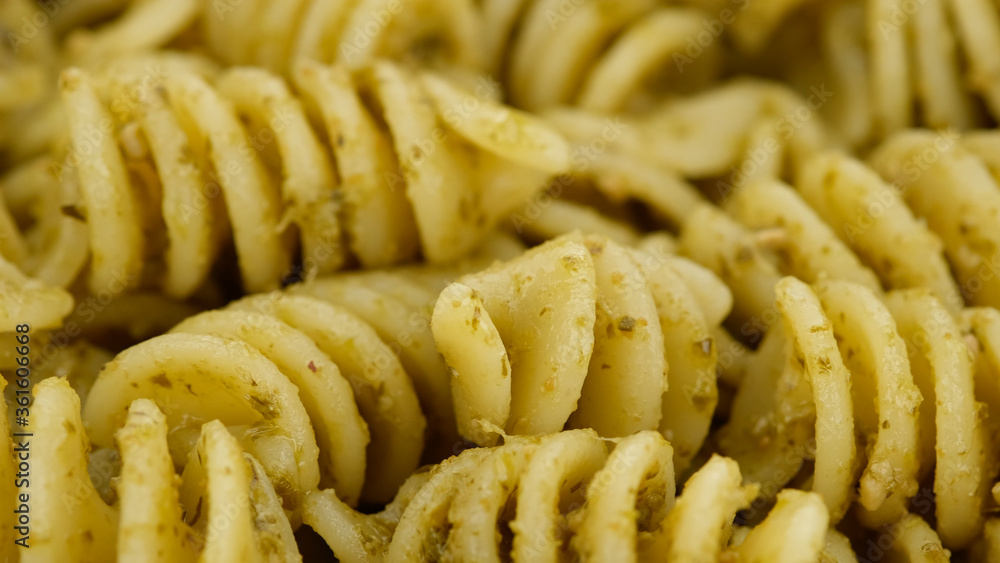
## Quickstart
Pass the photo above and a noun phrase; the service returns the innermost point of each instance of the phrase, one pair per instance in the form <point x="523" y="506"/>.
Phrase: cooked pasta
<point x="198" y="161"/>
<point x="231" y="511"/>
<point x="581" y="331"/>
<point x="594" y="54"/>
<point x="26" y="67"/>
<point x="484" y="280"/>
<point x="897" y="64"/>
<point x="841" y="220"/>
<point x="565" y="494"/>
<point x="296" y="379"/>
<point x="41" y="38"/>
<point x="326" y="384"/>
<point x="925" y="166"/>
<point x="355" y="34"/>
<point x="808" y="398"/>
<point x="732" y="134"/>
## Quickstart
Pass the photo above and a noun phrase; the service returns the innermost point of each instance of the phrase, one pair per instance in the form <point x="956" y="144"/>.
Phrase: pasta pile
<point x="933" y="64"/>
<point x="174" y="172"/>
<point x="616" y="319"/>
<point x="533" y="280"/>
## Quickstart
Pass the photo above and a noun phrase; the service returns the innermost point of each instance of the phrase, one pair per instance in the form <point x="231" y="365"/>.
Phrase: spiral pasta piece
<point x="920" y="163"/>
<point x="730" y="136"/>
<point x="308" y="387"/>
<point x="767" y="432"/>
<point x="899" y="65"/>
<point x="27" y="301"/>
<point x="839" y="219"/>
<point x="751" y="24"/>
<point x="876" y="224"/>
<point x="222" y="508"/>
<point x="542" y="498"/>
<point x="577" y="331"/>
<point x="44" y="38"/>
<point x="950" y="416"/>
<point x="241" y="157"/>
<point x="26" y="61"/>
<point x="27" y="304"/>
<point x="809" y="392"/>
<point x="607" y="52"/>
<point x="443" y="34"/>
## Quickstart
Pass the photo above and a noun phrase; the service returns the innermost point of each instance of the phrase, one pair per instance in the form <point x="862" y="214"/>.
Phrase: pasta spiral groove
<point x="901" y="65"/>
<point x="223" y="508"/>
<point x="308" y="403"/>
<point x="577" y="331"/>
<point x="326" y="383"/>
<point x="620" y="504"/>
<point x="241" y="156"/>
<point x="805" y="399"/>
<point x="607" y="51"/>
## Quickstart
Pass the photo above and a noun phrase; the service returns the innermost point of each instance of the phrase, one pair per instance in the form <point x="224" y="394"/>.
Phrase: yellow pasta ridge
<point x="307" y="387"/>
<point x="221" y="508"/>
<point x="540" y="498"/>
<point x="594" y="55"/>
<point x="275" y="36"/>
<point x="899" y="375"/>
<point x="582" y="331"/>
<point x="326" y="384"/>
<point x="937" y="56"/>
<point x="421" y="165"/>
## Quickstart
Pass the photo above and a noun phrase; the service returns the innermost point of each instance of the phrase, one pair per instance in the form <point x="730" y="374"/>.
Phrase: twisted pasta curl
<point x="579" y="331"/>
<point x="295" y="378"/>
<point x="41" y="230"/>
<point x="890" y="57"/>
<point x="43" y="38"/>
<point x="750" y="24"/>
<point x="841" y="221"/>
<point x="734" y="133"/>
<point x="221" y="508"/>
<point x="921" y="166"/>
<point x="326" y="384"/>
<point x="723" y="139"/>
<point x="355" y="34"/>
<point x="27" y="301"/>
<point x="595" y="54"/>
<point x="809" y="392"/>
<point x="420" y="165"/>
<point x="565" y="495"/>
<point x="609" y="51"/>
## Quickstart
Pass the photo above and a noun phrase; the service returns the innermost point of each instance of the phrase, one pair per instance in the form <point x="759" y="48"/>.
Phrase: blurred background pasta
<point x="500" y="280"/>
